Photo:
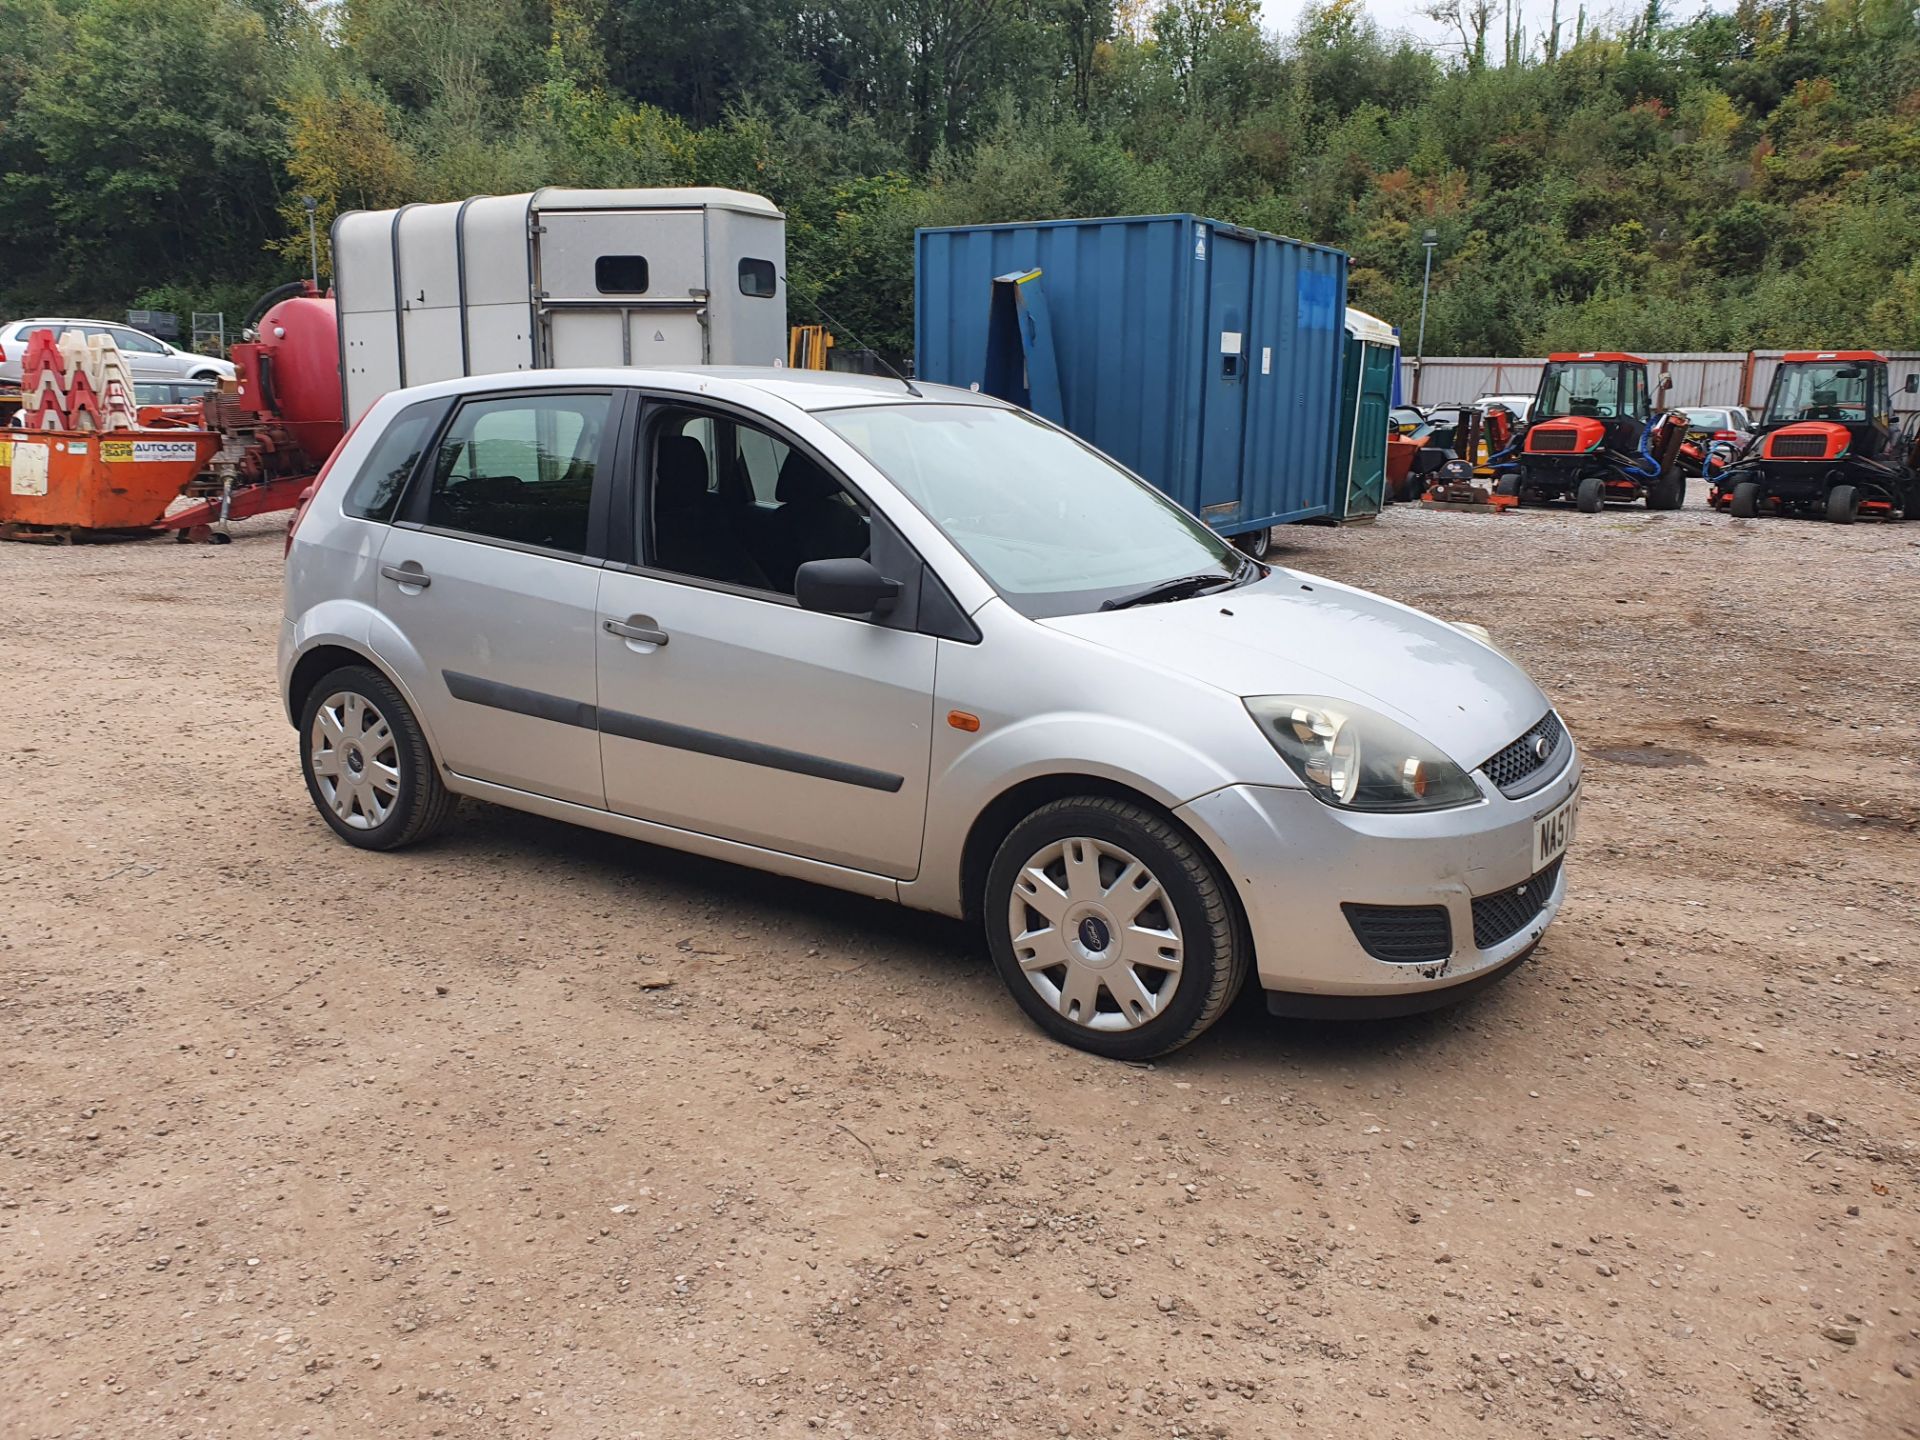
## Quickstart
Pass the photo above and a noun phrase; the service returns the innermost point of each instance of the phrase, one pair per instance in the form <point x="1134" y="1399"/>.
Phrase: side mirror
<point x="844" y="587"/>
<point x="1913" y="382"/>
<point x="1666" y="383"/>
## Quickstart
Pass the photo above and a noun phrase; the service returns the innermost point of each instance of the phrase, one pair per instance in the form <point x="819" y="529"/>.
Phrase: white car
<point x="1520" y="405"/>
<point x="919" y="644"/>
<point x="148" y="357"/>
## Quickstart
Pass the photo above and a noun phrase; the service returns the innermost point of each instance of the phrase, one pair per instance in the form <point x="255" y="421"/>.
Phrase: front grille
<point x="1402" y="934"/>
<point x="1797" y="447"/>
<point x="1563" y="442"/>
<point x="1520" y="769"/>
<point x="1504" y="915"/>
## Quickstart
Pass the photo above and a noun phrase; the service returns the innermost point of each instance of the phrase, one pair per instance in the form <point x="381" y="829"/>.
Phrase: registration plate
<point x="1553" y="830"/>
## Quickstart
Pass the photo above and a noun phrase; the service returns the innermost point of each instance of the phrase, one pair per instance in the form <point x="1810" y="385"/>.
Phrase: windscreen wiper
<point x="1176" y="589"/>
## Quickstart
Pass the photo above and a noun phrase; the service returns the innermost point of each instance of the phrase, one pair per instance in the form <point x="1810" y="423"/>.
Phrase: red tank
<point x="290" y="371"/>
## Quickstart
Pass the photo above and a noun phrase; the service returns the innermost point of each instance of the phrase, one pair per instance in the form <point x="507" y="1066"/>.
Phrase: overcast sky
<point x="1283" y="15"/>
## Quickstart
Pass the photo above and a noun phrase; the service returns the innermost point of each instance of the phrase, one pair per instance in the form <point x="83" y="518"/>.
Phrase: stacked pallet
<point x="76" y="383"/>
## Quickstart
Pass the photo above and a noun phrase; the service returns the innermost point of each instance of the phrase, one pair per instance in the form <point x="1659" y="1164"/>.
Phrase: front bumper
<point x="1294" y="861"/>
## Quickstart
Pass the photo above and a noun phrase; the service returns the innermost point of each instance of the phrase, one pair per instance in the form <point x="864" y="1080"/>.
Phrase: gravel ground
<point x="539" y="1132"/>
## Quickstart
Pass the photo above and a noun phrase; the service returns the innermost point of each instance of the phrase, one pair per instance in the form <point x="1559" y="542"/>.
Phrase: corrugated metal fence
<point x="1725" y="379"/>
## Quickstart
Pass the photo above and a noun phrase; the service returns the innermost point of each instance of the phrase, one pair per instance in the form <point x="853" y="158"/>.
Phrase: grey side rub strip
<point x="538" y="704"/>
<point x="477" y="691"/>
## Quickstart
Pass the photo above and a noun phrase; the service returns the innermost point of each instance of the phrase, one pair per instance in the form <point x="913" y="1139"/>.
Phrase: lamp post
<point x="313" y="236"/>
<point x="1427" y="241"/>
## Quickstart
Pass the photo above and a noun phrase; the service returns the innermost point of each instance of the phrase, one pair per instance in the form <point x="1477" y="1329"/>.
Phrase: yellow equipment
<point x="807" y="347"/>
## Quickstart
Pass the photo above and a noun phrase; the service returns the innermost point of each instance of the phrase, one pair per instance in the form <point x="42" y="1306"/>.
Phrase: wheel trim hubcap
<point x="355" y="759"/>
<point x="1095" y="934"/>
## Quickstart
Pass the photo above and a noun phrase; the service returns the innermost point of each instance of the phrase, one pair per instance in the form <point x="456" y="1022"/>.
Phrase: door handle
<point x="407" y="574"/>
<point x="646" y="634"/>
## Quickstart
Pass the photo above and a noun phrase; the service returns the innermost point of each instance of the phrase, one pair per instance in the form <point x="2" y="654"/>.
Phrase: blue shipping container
<point x="1203" y="356"/>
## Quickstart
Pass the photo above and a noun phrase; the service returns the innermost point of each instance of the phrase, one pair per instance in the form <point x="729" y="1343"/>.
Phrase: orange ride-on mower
<point x="1827" y="444"/>
<point x="1593" y="436"/>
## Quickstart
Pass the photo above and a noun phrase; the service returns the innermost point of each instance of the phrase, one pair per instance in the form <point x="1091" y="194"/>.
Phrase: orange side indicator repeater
<point x="961" y="720"/>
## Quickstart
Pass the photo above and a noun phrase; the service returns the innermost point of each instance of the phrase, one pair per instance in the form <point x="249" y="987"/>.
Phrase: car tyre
<point x="1113" y="890"/>
<point x="1256" y="543"/>
<point x="1745" y="504"/>
<point x="1591" y="494"/>
<point x="369" y="770"/>
<point x="1843" y="504"/>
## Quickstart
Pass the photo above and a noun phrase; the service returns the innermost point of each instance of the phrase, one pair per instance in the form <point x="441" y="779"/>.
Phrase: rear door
<point x="622" y="287"/>
<point x="487" y="587"/>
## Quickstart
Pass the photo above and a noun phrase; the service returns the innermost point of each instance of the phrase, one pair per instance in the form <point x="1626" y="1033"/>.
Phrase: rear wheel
<point x="368" y="768"/>
<point x="1592" y="491"/>
<point x="1843" y="504"/>
<point x="1507" y="485"/>
<point x="1746" y="500"/>
<point x="1113" y="929"/>
<point x="1255" y="542"/>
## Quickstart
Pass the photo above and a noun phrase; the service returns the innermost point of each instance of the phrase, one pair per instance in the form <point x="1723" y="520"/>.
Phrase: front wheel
<point x="1843" y="504"/>
<point x="1255" y="542"/>
<point x="1592" y="491"/>
<point x="1745" y="504"/>
<point x="1669" y="492"/>
<point x="368" y="768"/>
<point x="1113" y="929"/>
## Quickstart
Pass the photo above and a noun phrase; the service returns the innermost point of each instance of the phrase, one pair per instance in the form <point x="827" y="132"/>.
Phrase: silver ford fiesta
<point x="918" y="644"/>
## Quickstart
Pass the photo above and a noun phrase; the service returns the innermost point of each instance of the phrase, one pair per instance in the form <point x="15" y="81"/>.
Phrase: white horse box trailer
<point x="557" y="278"/>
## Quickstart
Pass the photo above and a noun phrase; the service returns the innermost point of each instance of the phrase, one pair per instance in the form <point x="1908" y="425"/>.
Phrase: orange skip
<point x="111" y="480"/>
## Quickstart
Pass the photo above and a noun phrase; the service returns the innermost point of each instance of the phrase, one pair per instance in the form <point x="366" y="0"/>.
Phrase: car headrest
<point x="680" y="473"/>
<point x="801" y="479"/>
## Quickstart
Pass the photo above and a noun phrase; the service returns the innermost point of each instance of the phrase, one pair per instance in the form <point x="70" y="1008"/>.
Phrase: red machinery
<point x="1594" y="435"/>
<point x="1828" y="444"/>
<point x="83" y="464"/>
<point x="281" y="422"/>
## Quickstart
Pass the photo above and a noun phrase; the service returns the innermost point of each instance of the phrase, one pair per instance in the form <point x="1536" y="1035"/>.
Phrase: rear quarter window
<point x="376" y="490"/>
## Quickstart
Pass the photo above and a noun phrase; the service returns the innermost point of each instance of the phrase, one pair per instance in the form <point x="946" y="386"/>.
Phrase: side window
<point x="134" y="341"/>
<point x="521" y="468"/>
<point x="761" y="457"/>
<point x="376" y="490"/>
<point x="735" y="503"/>
<point x="620" y="274"/>
<point x="757" y="279"/>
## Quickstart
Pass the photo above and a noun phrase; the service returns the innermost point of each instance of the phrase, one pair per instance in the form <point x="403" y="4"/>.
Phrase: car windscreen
<point x="1050" y="523"/>
<point x="1818" y="392"/>
<point x="1577" y="389"/>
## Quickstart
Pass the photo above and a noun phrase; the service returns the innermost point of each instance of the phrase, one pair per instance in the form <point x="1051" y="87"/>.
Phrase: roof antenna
<point x="911" y="390"/>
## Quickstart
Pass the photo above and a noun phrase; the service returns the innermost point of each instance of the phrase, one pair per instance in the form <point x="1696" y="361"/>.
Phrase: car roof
<point x="74" y="320"/>
<point x="803" y="389"/>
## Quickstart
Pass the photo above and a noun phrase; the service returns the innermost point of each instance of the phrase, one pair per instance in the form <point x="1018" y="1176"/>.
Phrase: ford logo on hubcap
<point x="1094" y="934"/>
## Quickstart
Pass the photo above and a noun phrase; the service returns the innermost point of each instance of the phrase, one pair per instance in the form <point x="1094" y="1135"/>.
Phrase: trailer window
<point x="757" y="278"/>
<point x="620" y="274"/>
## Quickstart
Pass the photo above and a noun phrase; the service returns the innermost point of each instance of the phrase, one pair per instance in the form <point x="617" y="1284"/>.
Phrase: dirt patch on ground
<point x="538" y="1132"/>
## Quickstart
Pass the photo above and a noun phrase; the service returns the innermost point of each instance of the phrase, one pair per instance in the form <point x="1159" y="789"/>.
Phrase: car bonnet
<point x="1297" y="634"/>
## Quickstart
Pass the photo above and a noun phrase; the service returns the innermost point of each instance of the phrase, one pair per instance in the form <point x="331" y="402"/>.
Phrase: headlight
<point x="1350" y="757"/>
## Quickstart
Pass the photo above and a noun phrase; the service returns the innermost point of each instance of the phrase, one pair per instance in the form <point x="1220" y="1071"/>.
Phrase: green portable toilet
<point x="1366" y="397"/>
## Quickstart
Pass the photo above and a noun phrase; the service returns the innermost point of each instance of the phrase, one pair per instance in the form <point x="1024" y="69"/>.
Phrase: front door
<point x="489" y="584"/>
<point x="724" y="707"/>
<point x="623" y="288"/>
